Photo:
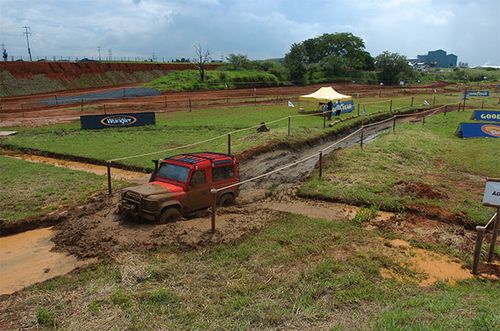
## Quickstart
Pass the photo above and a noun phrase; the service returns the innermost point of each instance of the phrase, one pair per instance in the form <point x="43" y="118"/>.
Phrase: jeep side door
<point x="198" y="191"/>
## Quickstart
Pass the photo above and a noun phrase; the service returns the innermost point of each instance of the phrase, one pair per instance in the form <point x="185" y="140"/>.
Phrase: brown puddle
<point x="435" y="267"/>
<point x="132" y="176"/>
<point x="26" y="259"/>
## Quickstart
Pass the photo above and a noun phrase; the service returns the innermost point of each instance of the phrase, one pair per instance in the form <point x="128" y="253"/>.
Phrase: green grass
<point x="421" y="167"/>
<point x="181" y="128"/>
<point x="297" y="273"/>
<point x="31" y="189"/>
<point x="214" y="80"/>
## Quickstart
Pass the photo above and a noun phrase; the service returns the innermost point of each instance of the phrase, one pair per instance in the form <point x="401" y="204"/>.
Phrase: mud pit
<point x="32" y="250"/>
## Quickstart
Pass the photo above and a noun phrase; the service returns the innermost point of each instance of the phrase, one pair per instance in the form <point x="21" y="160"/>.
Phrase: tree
<point x="201" y="60"/>
<point x="393" y="67"/>
<point x="295" y="62"/>
<point x="238" y="61"/>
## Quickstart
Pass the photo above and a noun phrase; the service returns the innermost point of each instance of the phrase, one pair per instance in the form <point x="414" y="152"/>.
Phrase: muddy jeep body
<point x="181" y="185"/>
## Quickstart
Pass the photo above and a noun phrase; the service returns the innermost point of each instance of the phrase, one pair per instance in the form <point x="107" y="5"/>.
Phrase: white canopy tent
<point x="325" y="94"/>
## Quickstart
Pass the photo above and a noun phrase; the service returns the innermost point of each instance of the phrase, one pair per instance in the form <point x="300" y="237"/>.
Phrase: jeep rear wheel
<point x="170" y="214"/>
<point x="226" y="200"/>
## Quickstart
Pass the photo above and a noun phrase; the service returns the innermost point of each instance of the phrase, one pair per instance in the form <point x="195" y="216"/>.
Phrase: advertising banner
<point x="478" y="93"/>
<point x="486" y="115"/>
<point x="476" y="130"/>
<point x="346" y="106"/>
<point x="117" y="120"/>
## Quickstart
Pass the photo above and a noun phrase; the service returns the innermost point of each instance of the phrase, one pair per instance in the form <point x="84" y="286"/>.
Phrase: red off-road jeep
<point x="181" y="184"/>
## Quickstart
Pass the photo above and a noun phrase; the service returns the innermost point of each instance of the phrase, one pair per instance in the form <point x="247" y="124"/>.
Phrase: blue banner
<point x="117" y="120"/>
<point x="346" y="106"/>
<point x="486" y="115"/>
<point x="475" y="130"/>
<point x="478" y="93"/>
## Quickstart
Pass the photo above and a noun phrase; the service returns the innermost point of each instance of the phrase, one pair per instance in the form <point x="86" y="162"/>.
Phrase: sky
<point x="261" y="29"/>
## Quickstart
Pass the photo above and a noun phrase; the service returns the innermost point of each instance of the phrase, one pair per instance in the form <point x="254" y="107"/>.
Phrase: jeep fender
<point x="171" y="203"/>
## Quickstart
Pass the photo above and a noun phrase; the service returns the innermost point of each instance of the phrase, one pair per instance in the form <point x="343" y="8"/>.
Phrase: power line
<point x="27" y="33"/>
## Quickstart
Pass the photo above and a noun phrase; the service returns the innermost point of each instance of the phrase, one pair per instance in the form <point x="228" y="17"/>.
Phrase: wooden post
<point x="190" y="107"/>
<point x="165" y="100"/>
<point x="324" y="121"/>
<point x="277" y="96"/>
<point x="446" y="110"/>
<point x="214" y="206"/>
<point x="394" y="124"/>
<point x="412" y="101"/>
<point x="228" y="143"/>
<point x="459" y="105"/>
<point x="477" y="249"/>
<point x="494" y="236"/>
<point x="434" y="100"/>
<point x="81" y="105"/>
<point x="108" y="165"/>
<point x="358" y="108"/>
<point x="465" y="97"/>
<point x="390" y="107"/>
<point x="254" y="96"/>
<point x="362" y="136"/>
<point x="289" y="125"/>
<point x="423" y="120"/>
<point x="482" y="104"/>
<point x="104" y="107"/>
<point x="55" y="97"/>
<point x="320" y="164"/>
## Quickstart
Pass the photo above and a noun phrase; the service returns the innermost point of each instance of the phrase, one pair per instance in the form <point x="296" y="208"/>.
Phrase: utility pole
<point x="110" y="55"/>
<point x="27" y="33"/>
<point x="99" y="50"/>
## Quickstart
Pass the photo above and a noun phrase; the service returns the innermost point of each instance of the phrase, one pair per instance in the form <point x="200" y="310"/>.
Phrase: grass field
<point x="181" y="128"/>
<point x="421" y="167"/>
<point x="299" y="273"/>
<point x="31" y="189"/>
<point x="187" y="80"/>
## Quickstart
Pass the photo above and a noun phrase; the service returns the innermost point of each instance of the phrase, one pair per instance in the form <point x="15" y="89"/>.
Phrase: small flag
<point x="290" y="104"/>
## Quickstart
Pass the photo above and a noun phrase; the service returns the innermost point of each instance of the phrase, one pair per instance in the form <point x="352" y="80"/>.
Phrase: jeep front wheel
<point x="170" y="214"/>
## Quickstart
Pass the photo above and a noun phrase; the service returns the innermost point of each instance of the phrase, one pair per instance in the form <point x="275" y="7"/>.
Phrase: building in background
<point x="438" y="59"/>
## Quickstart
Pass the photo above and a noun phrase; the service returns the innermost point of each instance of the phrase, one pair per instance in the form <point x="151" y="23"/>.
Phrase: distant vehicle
<point x="181" y="185"/>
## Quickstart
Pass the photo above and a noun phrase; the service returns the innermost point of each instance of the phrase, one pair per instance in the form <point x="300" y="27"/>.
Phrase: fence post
<point x="165" y="101"/>
<point x="55" y="97"/>
<point x="289" y="125"/>
<point x="255" y="96"/>
<point x="81" y="105"/>
<point x="412" y="101"/>
<point x="434" y="100"/>
<point x="423" y="120"/>
<point x="459" y="105"/>
<point x="390" y="107"/>
<point x="465" y="97"/>
<point x="358" y="108"/>
<point x="108" y="165"/>
<point x="362" y="136"/>
<point x="124" y="92"/>
<point x="477" y="249"/>
<point x="214" y="206"/>
<point x="320" y="164"/>
<point x="494" y="236"/>
<point x="190" y="107"/>
<point x="104" y="107"/>
<point x="228" y="143"/>
<point x="482" y="104"/>
<point x="324" y="121"/>
<point x="394" y="124"/>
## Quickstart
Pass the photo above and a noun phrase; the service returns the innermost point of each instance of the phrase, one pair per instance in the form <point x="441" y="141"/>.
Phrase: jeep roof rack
<point x="194" y="158"/>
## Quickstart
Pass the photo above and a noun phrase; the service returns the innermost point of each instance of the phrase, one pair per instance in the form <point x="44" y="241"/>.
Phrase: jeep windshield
<point x="173" y="172"/>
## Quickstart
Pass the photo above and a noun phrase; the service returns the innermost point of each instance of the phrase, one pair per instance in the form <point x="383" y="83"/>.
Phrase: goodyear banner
<point x="476" y="130"/>
<point x="346" y="106"/>
<point x="117" y="120"/>
<point x="478" y="93"/>
<point x="486" y="115"/>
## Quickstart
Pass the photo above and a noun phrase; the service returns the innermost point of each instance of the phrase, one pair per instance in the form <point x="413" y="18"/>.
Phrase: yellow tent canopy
<point x="325" y="94"/>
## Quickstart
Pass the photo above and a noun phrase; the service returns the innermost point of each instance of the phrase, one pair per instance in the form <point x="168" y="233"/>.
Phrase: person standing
<point x="338" y="108"/>
<point x="5" y="55"/>
<point x="329" y="109"/>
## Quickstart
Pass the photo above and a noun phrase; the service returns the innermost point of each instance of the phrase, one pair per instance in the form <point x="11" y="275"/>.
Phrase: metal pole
<point x="289" y="125"/>
<point x="108" y="165"/>
<point x="320" y="164"/>
<point x="358" y="108"/>
<point x="324" y="121"/>
<point x="494" y="236"/>
<point x="394" y="124"/>
<point x="477" y="249"/>
<point x="214" y="206"/>
<point x="362" y="136"/>
<point x="228" y="143"/>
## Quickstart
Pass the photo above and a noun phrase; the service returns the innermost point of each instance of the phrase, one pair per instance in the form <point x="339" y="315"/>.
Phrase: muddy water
<point x="26" y="259"/>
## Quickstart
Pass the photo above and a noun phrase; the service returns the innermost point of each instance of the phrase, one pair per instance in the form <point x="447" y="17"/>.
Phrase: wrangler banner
<point x="117" y="120"/>
<point x="476" y="130"/>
